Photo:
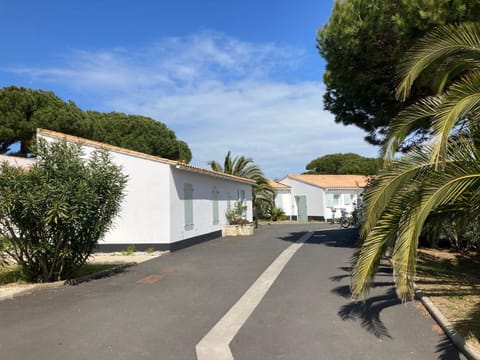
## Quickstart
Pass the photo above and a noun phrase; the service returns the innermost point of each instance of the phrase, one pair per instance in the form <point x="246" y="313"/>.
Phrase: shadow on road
<point x="368" y="312"/>
<point x="382" y="271"/>
<point x="343" y="238"/>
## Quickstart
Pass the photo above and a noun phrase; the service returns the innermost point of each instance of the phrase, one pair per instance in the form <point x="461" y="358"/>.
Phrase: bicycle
<point x="347" y="222"/>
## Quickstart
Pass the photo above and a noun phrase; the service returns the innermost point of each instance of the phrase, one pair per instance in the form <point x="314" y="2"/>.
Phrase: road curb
<point x="93" y="276"/>
<point x="447" y="327"/>
<point x="100" y="274"/>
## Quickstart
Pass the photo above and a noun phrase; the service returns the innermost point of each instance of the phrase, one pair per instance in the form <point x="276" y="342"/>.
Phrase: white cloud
<point x="218" y="94"/>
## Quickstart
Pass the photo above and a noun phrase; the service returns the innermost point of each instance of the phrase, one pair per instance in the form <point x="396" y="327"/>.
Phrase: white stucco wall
<point x="203" y="186"/>
<point x="17" y="161"/>
<point x="283" y="200"/>
<point x="315" y="197"/>
<point x="342" y="193"/>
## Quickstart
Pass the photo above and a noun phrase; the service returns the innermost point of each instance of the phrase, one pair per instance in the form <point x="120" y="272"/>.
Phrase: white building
<point x="282" y="197"/>
<point x="17" y="161"/>
<point x="317" y="197"/>
<point x="168" y="204"/>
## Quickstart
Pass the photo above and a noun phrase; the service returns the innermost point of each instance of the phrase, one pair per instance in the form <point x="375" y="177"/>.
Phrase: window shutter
<point x="216" y="219"/>
<point x="329" y="200"/>
<point x="188" y="205"/>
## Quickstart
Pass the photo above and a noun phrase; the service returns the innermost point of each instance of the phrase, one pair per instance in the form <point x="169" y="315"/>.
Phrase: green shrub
<point x="130" y="250"/>
<point x="276" y="214"/>
<point x="53" y="215"/>
<point x="235" y="215"/>
<point x="3" y="255"/>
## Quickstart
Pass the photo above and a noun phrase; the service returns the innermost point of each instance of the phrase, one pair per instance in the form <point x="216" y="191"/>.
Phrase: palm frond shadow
<point x="343" y="238"/>
<point x="368" y="312"/>
<point x="446" y="350"/>
<point x="293" y="236"/>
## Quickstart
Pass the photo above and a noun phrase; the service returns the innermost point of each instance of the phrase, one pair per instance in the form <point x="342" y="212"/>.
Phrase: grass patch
<point x="452" y="281"/>
<point x="88" y="269"/>
<point x="11" y="274"/>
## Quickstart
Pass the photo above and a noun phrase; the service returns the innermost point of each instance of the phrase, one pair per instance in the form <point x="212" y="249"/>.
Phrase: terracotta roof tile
<point x="332" y="181"/>
<point x="277" y="185"/>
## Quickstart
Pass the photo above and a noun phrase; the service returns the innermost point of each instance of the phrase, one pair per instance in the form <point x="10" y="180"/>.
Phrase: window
<point x="241" y="200"/>
<point x="241" y="196"/>
<point x="329" y="200"/>
<point x="188" y="205"/>
<point x="229" y="199"/>
<point x="216" y="219"/>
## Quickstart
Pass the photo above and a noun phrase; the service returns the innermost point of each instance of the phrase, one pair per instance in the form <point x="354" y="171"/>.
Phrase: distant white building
<point x="282" y="197"/>
<point x="317" y="197"/>
<point x="17" y="161"/>
<point x="168" y="204"/>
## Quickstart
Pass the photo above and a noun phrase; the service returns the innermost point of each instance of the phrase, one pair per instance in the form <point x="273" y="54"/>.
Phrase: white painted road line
<point x="215" y="345"/>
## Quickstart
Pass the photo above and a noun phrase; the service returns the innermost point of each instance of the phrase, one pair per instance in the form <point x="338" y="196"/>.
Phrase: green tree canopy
<point x="364" y="42"/>
<point x="23" y="110"/>
<point x="349" y="163"/>
<point x="243" y="166"/>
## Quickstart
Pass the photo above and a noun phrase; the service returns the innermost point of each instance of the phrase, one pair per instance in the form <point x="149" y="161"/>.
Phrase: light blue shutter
<point x="216" y="220"/>
<point x="242" y="201"/>
<point x="188" y="205"/>
<point x="229" y="199"/>
<point x="329" y="200"/>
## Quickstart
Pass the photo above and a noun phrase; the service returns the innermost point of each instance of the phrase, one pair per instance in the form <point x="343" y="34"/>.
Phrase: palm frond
<point x="392" y="179"/>
<point x="406" y="121"/>
<point x="215" y="166"/>
<point x="441" y="43"/>
<point x="462" y="100"/>
<point x="405" y="209"/>
<point x="367" y="258"/>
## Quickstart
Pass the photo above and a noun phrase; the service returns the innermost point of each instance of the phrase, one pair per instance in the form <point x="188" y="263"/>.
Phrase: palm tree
<point x="244" y="167"/>
<point x="443" y="175"/>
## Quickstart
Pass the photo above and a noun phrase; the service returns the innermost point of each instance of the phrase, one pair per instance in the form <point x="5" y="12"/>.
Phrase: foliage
<point x="350" y="163"/>
<point x="54" y="214"/>
<point x="241" y="166"/>
<point x="276" y="214"/>
<point x="11" y="274"/>
<point x="150" y="250"/>
<point x="138" y="133"/>
<point x="439" y="180"/>
<point x="456" y="229"/>
<point x="129" y="250"/>
<point x="238" y="166"/>
<point x="235" y="215"/>
<point x="399" y="203"/>
<point x="23" y="110"/>
<point x="3" y="254"/>
<point x="364" y="42"/>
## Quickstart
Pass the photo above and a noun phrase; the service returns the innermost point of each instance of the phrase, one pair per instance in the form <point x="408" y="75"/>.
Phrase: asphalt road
<point x="162" y="308"/>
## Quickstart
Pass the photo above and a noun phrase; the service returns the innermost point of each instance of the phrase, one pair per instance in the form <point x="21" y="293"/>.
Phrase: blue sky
<point x="224" y="75"/>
